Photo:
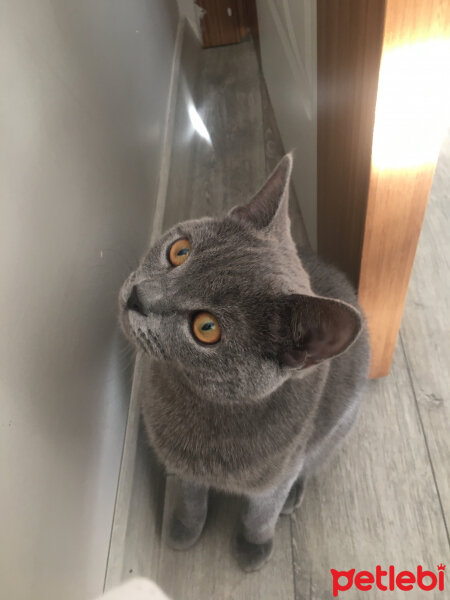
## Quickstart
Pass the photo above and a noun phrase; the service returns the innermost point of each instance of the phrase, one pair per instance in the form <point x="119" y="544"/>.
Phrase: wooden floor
<point x="384" y="498"/>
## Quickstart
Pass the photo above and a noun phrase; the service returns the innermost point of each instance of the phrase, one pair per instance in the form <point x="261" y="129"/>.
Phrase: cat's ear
<point x="269" y="206"/>
<point x="315" y="329"/>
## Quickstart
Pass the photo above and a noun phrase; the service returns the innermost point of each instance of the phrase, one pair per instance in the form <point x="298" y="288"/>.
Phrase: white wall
<point x="84" y="89"/>
<point x="288" y="35"/>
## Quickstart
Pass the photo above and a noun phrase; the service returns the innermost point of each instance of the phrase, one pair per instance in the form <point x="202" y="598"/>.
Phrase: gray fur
<point x="257" y="412"/>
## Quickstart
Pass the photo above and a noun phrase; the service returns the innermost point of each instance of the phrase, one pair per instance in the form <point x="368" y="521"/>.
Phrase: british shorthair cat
<point x="259" y="353"/>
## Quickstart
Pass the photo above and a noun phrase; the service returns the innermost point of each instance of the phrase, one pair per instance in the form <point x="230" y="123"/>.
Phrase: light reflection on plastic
<point x="413" y="105"/>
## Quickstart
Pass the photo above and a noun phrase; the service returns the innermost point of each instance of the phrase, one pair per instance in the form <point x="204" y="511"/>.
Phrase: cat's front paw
<point x="250" y="556"/>
<point x="182" y="536"/>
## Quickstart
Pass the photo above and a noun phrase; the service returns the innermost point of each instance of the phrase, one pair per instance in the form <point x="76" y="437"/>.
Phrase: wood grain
<point x="395" y="209"/>
<point x="349" y="43"/>
<point x="222" y="23"/>
<point x="396" y="200"/>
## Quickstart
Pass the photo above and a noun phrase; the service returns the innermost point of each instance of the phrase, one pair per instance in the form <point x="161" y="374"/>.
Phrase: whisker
<point x="143" y="341"/>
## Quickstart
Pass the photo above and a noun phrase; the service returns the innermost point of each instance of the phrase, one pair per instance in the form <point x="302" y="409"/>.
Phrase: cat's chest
<point x="219" y="443"/>
<point x="184" y="425"/>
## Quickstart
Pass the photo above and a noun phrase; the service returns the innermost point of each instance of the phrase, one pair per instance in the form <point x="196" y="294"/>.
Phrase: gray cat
<point x="258" y="358"/>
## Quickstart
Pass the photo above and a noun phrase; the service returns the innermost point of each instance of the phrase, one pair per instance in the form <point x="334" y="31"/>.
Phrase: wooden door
<point x="225" y="21"/>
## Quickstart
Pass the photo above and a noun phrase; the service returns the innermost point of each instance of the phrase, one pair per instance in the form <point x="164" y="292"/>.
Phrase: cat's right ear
<point x="314" y="329"/>
<point x="268" y="209"/>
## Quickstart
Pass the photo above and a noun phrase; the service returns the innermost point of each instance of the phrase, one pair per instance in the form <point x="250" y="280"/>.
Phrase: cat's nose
<point x="134" y="303"/>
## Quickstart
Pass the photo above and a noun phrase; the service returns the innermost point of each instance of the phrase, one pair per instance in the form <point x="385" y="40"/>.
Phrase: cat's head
<point x="227" y="303"/>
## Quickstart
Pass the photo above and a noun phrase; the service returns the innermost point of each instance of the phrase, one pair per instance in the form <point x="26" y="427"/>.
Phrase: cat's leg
<point x="254" y="540"/>
<point x="189" y="516"/>
<point x="295" y="496"/>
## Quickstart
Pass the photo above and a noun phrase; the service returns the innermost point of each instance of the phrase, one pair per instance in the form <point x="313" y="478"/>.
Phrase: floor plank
<point x="425" y="330"/>
<point x="375" y="501"/>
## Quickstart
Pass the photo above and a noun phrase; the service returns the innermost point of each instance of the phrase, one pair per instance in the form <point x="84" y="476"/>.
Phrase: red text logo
<point x="388" y="580"/>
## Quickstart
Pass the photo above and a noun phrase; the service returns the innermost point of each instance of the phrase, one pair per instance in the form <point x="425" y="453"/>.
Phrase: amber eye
<point x="179" y="252"/>
<point x="206" y="328"/>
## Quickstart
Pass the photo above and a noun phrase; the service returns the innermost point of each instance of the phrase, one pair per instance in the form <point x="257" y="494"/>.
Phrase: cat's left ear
<point x="268" y="209"/>
<point x="315" y="329"/>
